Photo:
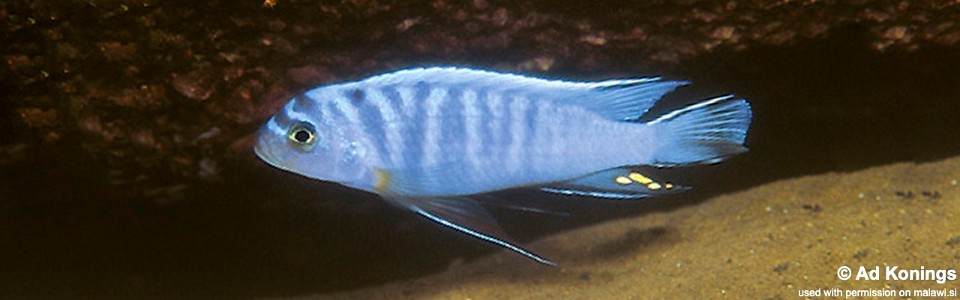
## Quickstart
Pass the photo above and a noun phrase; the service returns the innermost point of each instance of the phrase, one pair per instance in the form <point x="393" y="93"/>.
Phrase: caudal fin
<point x="706" y="132"/>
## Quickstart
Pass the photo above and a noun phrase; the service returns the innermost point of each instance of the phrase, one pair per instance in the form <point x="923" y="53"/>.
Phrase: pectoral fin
<point x="466" y="216"/>
<point x="616" y="183"/>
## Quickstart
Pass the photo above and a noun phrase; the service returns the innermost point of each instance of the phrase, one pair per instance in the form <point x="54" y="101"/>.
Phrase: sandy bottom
<point x="768" y="242"/>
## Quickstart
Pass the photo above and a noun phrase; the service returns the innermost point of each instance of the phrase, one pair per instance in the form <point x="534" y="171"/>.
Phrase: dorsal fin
<point x="617" y="99"/>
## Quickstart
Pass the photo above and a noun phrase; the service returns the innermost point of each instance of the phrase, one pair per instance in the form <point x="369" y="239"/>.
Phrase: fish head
<point x="302" y="142"/>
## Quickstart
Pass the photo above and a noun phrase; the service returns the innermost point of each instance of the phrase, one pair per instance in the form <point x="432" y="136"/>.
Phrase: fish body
<point x="428" y="139"/>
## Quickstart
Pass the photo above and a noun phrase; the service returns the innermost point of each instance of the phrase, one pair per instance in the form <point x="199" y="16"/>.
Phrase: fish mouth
<point x="262" y="150"/>
<point x="271" y="156"/>
<point x="259" y="151"/>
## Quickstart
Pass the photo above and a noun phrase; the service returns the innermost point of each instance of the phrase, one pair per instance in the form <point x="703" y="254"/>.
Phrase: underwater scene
<point x="479" y="149"/>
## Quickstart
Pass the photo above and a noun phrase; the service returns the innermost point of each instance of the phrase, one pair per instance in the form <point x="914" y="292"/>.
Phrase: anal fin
<point x="466" y="216"/>
<point x="617" y="183"/>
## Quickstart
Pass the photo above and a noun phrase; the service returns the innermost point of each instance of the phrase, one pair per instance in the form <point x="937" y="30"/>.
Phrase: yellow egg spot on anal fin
<point x="621" y="180"/>
<point x="653" y="186"/>
<point x="383" y="180"/>
<point x="668" y="185"/>
<point x="640" y="178"/>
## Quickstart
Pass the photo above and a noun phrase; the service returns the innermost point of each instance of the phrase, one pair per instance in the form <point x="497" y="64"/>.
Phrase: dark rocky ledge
<point x="160" y="94"/>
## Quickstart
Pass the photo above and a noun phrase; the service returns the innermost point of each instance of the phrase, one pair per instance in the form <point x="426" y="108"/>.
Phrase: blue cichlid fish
<point x="428" y="139"/>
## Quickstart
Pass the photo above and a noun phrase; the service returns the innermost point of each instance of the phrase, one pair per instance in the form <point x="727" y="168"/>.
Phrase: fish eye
<point x="303" y="134"/>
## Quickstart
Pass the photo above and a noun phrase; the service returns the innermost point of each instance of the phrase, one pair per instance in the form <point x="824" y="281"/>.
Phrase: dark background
<point x="125" y="162"/>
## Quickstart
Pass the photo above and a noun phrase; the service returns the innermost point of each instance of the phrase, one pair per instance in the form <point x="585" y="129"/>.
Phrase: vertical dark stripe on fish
<point x="482" y="128"/>
<point x="355" y="95"/>
<point x="305" y="105"/>
<point x="415" y="158"/>
<point x="530" y="125"/>
<point x="506" y="129"/>
<point x="374" y="124"/>
<point x="398" y="121"/>
<point x="452" y="132"/>
<point x="537" y="135"/>
<point x="283" y="119"/>
<point x="392" y="96"/>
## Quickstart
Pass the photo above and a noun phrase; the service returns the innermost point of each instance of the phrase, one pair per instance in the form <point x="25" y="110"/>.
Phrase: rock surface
<point x="137" y="84"/>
